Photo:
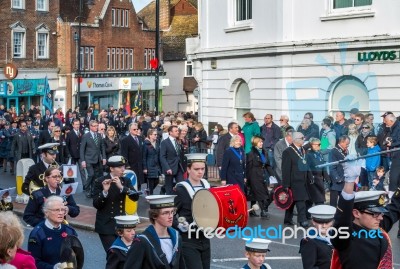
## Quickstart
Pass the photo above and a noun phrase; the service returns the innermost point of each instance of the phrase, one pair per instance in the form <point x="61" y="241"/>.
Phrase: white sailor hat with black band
<point x="50" y="148"/>
<point x="116" y="161"/>
<point x="322" y="213"/>
<point x="161" y="201"/>
<point x="126" y="222"/>
<point x="373" y="201"/>
<point x="257" y="245"/>
<point x="196" y="157"/>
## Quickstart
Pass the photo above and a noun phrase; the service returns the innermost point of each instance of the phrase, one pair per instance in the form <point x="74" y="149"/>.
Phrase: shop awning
<point x="189" y="84"/>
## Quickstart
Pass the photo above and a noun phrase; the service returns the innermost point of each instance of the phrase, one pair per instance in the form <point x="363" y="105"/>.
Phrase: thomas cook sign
<point x="384" y="55"/>
<point x="10" y="71"/>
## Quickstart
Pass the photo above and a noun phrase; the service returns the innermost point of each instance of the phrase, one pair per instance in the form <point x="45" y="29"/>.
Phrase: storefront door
<point x="13" y="102"/>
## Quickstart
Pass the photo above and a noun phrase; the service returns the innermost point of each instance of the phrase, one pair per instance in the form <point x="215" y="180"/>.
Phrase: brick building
<point x="28" y="39"/>
<point x="178" y="21"/>
<point x="115" y="54"/>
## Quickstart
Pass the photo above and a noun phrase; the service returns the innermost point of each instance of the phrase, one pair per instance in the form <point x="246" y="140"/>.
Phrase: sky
<point x="139" y="4"/>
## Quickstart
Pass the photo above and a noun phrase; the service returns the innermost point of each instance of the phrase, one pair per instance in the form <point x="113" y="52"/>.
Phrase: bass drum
<point x="220" y="207"/>
<point x="130" y="206"/>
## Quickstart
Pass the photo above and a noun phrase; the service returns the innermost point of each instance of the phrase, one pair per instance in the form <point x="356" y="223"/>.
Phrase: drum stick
<point x="254" y="208"/>
<point x="361" y="157"/>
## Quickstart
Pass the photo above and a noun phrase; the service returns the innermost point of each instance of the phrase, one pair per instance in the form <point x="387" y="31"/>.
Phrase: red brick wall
<point x="30" y="19"/>
<point x="183" y="8"/>
<point x="165" y="18"/>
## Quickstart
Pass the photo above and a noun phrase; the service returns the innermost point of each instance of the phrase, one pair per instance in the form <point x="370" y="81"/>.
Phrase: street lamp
<point x="157" y="69"/>
<point x="77" y="38"/>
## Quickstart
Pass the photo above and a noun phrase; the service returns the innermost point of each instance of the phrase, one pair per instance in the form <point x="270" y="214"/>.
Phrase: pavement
<point x="86" y="219"/>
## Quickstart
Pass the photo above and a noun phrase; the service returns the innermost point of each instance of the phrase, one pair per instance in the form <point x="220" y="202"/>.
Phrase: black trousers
<point x="94" y="170"/>
<point x="301" y="212"/>
<point x="169" y="182"/>
<point x="334" y="196"/>
<point x="152" y="184"/>
<point x="394" y="174"/>
<point x="107" y="240"/>
<point x="197" y="252"/>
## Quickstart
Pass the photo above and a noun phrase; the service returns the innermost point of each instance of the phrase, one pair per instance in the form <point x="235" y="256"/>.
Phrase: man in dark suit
<point x="49" y="152"/>
<point x="109" y="199"/>
<point x="131" y="149"/>
<point x="89" y="117"/>
<point x="280" y="146"/>
<point x="170" y="160"/>
<point x="38" y="119"/>
<point x="295" y="174"/>
<point x="45" y="135"/>
<point x="22" y="146"/>
<point x="224" y="140"/>
<point x="47" y="116"/>
<point x="73" y="141"/>
<point x="92" y="157"/>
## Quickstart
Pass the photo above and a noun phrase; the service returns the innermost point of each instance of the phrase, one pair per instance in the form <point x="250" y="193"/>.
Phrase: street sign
<point x="10" y="71"/>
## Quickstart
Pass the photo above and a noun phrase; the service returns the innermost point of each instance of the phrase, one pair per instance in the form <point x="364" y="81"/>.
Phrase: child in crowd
<point x="116" y="255"/>
<point x="377" y="183"/>
<point x="372" y="162"/>
<point x="256" y="250"/>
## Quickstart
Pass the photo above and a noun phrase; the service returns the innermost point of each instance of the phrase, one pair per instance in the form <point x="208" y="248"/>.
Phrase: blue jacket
<point x="372" y="163"/>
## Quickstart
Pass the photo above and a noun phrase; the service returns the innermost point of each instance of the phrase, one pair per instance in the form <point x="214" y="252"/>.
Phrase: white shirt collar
<point x="50" y="226"/>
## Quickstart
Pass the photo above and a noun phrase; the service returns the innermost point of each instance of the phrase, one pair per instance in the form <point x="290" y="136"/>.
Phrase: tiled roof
<point x="148" y="16"/>
<point x="96" y="7"/>
<point x="192" y="2"/>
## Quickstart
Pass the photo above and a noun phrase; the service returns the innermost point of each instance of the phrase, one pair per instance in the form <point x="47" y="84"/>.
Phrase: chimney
<point x="164" y="14"/>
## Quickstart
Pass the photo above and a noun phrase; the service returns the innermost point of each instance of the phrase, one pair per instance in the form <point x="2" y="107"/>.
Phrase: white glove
<point x="58" y="265"/>
<point x="183" y="226"/>
<point x="351" y="157"/>
<point x="273" y="180"/>
<point x="352" y="171"/>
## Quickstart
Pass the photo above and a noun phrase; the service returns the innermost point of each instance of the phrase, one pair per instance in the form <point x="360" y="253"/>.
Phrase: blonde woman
<point x="111" y="142"/>
<point x="56" y="137"/>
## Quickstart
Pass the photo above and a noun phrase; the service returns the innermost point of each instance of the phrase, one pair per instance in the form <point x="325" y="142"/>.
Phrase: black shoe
<point x="398" y="234"/>
<point x="88" y="195"/>
<point x="264" y="214"/>
<point x="304" y="224"/>
<point x="291" y="223"/>
<point x="253" y="214"/>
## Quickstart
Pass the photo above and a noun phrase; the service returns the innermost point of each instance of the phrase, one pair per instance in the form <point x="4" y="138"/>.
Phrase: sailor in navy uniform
<point x="317" y="252"/>
<point x="196" y="249"/>
<point x="159" y="246"/>
<point x="256" y="250"/>
<point x="125" y="228"/>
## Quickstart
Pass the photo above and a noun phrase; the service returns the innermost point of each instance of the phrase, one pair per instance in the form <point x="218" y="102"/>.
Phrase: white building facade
<point x="296" y="56"/>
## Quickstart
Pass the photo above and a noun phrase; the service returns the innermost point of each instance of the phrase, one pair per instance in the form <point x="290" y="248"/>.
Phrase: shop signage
<point x="124" y="83"/>
<point x="383" y="55"/>
<point x="116" y="83"/>
<point x="24" y="87"/>
<point x="10" y="71"/>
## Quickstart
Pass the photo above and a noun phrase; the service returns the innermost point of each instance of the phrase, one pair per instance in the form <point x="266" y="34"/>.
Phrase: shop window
<point x="349" y="93"/>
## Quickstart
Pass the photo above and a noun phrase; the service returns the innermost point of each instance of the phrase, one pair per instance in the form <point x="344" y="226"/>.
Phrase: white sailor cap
<point x="161" y="201"/>
<point x="196" y="157"/>
<point x="322" y="213"/>
<point x="50" y="148"/>
<point x="370" y="200"/>
<point x="127" y="221"/>
<point x="116" y="161"/>
<point x="257" y="245"/>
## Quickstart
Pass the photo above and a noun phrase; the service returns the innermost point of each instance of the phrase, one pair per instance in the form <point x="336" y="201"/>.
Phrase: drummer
<point x="316" y="252"/>
<point x="256" y="250"/>
<point x="194" y="249"/>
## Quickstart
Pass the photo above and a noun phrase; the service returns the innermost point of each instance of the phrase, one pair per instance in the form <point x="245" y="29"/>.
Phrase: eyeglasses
<point x="301" y="138"/>
<point x="375" y="215"/>
<point x="315" y="144"/>
<point x="58" y="210"/>
<point x="168" y="213"/>
<point x="365" y="127"/>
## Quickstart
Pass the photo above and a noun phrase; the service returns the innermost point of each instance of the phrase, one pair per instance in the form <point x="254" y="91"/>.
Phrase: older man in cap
<point x="36" y="171"/>
<point x="196" y="249"/>
<point x="110" y="192"/>
<point x="368" y="223"/>
<point x="295" y="174"/>
<point x="159" y="246"/>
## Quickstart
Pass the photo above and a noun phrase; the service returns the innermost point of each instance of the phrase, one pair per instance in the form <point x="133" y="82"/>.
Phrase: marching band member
<point x="160" y="246"/>
<point x="49" y="151"/>
<point x="109" y="199"/>
<point x="33" y="213"/>
<point x="46" y="239"/>
<point x="116" y="255"/>
<point x="256" y="250"/>
<point x="196" y="251"/>
<point x="317" y="252"/>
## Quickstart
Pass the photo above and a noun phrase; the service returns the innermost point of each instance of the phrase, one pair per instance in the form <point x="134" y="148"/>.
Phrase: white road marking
<point x="267" y="258"/>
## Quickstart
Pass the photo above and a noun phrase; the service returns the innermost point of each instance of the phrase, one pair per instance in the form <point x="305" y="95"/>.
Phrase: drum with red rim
<point x="220" y="207"/>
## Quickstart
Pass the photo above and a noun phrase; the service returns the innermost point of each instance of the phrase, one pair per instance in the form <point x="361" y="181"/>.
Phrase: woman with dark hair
<point x="258" y="171"/>
<point x="151" y="164"/>
<point x="250" y="129"/>
<point x="199" y="139"/>
<point x="111" y="142"/>
<point x="315" y="157"/>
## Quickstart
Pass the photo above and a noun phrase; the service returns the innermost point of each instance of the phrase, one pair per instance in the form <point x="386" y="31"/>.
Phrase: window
<point x="42" y="45"/>
<point x="20" y="4"/>
<point x="87" y="58"/>
<point x="18" y="37"/>
<point x="42" y="5"/>
<point x="145" y="59"/>
<point x="119" y="59"/>
<point x="119" y="17"/>
<point x="351" y="3"/>
<point x="243" y="10"/>
<point x="189" y="69"/>
<point x="130" y="59"/>
<point x="113" y="59"/>
<point x="108" y="59"/>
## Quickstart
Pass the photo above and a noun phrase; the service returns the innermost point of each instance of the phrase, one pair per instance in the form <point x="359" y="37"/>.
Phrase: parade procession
<point x="199" y="134"/>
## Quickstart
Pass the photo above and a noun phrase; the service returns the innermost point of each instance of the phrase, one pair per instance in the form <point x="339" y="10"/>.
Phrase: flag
<point x="128" y="103"/>
<point x="138" y="100"/>
<point x="47" y="99"/>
